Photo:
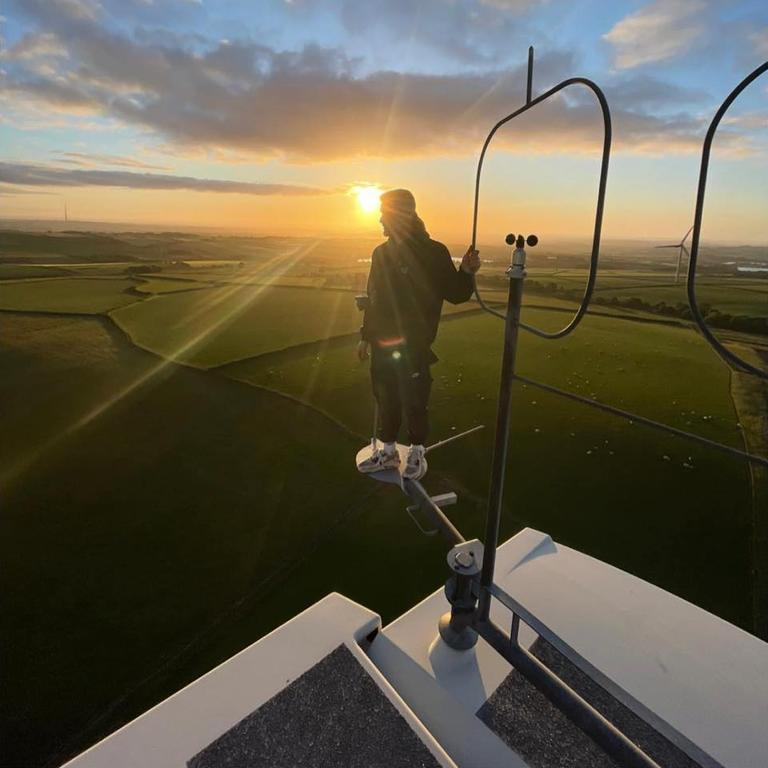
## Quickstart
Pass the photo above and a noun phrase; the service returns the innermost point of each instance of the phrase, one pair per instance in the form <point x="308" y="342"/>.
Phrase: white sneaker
<point x="379" y="460"/>
<point x="416" y="464"/>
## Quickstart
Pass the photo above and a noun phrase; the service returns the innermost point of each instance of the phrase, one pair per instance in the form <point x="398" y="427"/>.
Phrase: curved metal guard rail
<point x="600" y="196"/>
<point x="698" y="318"/>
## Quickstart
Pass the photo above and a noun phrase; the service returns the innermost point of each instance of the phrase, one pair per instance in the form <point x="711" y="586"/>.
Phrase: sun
<point x="367" y="197"/>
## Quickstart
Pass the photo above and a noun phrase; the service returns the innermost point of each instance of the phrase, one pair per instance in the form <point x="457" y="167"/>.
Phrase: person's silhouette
<point x="411" y="275"/>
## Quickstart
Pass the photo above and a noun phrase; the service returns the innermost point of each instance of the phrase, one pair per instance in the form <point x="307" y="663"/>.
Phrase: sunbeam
<point x="16" y="469"/>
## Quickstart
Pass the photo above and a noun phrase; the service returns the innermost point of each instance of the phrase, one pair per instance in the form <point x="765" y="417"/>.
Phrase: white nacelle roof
<point x="700" y="681"/>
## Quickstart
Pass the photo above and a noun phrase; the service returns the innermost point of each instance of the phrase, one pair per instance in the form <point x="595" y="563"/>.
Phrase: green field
<point x="217" y="325"/>
<point x="238" y="275"/>
<point x="734" y="300"/>
<point x="157" y="518"/>
<point x="255" y="278"/>
<point x="27" y="271"/>
<point x="211" y="327"/>
<point x="79" y="295"/>
<point x="147" y="508"/>
<point x="154" y="285"/>
<point x="576" y="473"/>
<point x="645" y="367"/>
<point x="747" y="296"/>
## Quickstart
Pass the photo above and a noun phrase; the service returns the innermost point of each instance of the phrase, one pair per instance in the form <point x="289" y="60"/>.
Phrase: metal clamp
<point x="462" y="590"/>
<point x="441" y="500"/>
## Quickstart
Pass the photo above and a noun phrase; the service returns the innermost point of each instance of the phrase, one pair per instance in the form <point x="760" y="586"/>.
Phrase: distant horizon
<point x="54" y="225"/>
<point x="292" y="118"/>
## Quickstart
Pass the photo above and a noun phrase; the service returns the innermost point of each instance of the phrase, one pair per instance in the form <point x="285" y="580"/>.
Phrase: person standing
<point x="410" y="277"/>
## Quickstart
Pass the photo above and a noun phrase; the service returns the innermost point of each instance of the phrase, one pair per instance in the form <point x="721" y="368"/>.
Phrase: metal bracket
<point x="462" y="590"/>
<point x="441" y="500"/>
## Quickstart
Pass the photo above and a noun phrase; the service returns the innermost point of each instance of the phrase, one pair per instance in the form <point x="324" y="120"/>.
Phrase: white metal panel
<point x="178" y="728"/>
<point x="702" y="676"/>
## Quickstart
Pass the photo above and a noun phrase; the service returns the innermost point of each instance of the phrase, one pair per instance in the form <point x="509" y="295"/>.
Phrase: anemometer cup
<point x="520" y="240"/>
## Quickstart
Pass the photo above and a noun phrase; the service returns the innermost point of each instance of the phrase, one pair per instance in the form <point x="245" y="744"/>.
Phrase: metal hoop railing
<point x="607" y="133"/>
<point x="714" y="342"/>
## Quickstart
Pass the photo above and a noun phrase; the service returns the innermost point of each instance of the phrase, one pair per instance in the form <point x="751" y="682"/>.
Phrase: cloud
<point x="35" y="46"/>
<point x="30" y="175"/>
<point x="659" y="31"/>
<point x="759" y="39"/>
<point x="10" y="190"/>
<point x="315" y="104"/>
<point x="753" y="121"/>
<point x="91" y="160"/>
<point x="643" y="92"/>
<point x="471" y="32"/>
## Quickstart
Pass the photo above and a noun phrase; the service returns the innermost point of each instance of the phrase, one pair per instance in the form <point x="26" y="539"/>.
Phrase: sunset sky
<point x="263" y="115"/>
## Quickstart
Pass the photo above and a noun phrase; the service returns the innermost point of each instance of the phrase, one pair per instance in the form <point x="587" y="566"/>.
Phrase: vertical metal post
<point x="529" y="89"/>
<point x="462" y="590"/>
<point x="516" y="275"/>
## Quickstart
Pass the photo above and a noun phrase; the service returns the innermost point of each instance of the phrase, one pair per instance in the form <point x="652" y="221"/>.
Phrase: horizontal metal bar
<point x="411" y="511"/>
<point x="644" y="420"/>
<point x="419" y="495"/>
<point x="574" y="707"/>
<point x="445" y="499"/>
<point x="447" y="440"/>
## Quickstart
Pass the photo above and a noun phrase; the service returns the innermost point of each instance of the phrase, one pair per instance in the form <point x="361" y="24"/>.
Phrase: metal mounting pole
<point x="462" y="590"/>
<point x="529" y="88"/>
<point x="516" y="274"/>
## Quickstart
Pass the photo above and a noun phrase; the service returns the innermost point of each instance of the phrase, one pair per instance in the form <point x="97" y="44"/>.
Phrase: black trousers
<point x="402" y="382"/>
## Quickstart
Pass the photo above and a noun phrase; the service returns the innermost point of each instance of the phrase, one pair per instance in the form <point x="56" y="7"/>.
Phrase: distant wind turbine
<point x="683" y="249"/>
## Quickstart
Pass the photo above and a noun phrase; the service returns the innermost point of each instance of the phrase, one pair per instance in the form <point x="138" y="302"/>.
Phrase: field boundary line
<point x="64" y="315"/>
<point x="52" y="313"/>
<point x="126" y="337"/>
<point x="135" y="290"/>
<point x="298" y="401"/>
<point x="333" y="341"/>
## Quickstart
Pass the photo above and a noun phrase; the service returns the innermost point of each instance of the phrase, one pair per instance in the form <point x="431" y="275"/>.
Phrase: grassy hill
<point x="157" y="518"/>
<point x="141" y="503"/>
<point x="77" y="295"/>
<point x="660" y="507"/>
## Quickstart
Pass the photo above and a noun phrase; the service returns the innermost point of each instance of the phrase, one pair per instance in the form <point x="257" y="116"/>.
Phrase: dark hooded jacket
<point x="407" y="285"/>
